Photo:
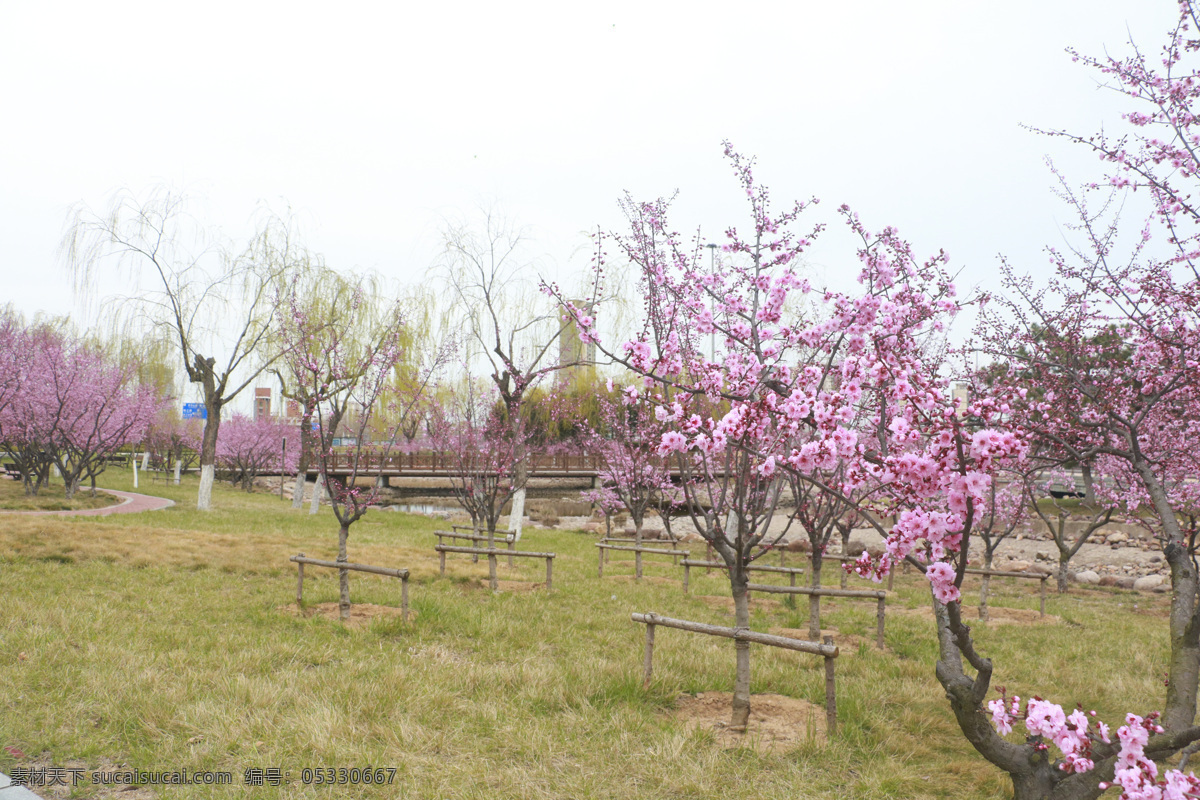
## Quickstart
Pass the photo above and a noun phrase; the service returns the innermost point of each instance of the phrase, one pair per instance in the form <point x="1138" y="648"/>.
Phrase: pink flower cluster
<point x="1072" y="734"/>
<point x="1138" y="776"/>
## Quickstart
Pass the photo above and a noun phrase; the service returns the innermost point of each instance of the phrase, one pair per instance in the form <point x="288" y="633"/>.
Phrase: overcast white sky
<point x="375" y="121"/>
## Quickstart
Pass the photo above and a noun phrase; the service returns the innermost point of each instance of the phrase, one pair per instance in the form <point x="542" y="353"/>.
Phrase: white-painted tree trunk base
<point x="178" y="467"/>
<point x="204" y="497"/>
<point x="298" y="491"/>
<point x="518" y="514"/>
<point x="316" y="496"/>
<point x="146" y="460"/>
<point x="135" y="472"/>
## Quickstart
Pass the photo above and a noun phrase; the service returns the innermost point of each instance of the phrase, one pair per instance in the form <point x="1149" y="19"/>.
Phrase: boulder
<point x="1108" y="580"/>
<point x="799" y="546"/>
<point x="1147" y="582"/>
<point x="855" y="549"/>
<point x="692" y="537"/>
<point x="1125" y="582"/>
<point x="1116" y="537"/>
<point x="1018" y="566"/>
<point x="1087" y="577"/>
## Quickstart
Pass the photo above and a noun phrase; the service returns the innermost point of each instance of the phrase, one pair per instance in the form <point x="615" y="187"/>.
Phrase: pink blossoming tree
<point x="483" y="459"/>
<point x="781" y="393"/>
<point x="1112" y="346"/>
<point x="345" y="365"/>
<point x="627" y="445"/>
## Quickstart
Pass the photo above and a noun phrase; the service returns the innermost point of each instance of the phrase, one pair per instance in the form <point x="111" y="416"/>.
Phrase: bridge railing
<point x="443" y="462"/>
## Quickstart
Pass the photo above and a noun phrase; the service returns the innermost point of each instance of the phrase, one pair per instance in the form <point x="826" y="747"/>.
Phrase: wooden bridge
<point x="442" y="465"/>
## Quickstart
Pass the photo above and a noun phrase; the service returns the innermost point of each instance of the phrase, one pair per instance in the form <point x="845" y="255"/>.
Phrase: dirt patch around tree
<point x="516" y="587"/>
<point x="777" y="723"/>
<point x="361" y="614"/>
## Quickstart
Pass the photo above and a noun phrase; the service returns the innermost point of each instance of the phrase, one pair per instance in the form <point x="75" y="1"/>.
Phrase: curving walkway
<point x="132" y="503"/>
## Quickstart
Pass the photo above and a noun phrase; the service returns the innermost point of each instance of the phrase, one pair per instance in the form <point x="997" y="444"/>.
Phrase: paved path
<point x="8" y="791"/>
<point x="131" y="503"/>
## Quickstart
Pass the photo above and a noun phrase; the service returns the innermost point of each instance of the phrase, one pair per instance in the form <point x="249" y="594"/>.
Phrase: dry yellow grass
<point x="159" y="641"/>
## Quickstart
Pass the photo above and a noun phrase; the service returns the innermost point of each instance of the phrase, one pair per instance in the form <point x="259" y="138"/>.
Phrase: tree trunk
<point x="70" y="486"/>
<point x="518" y="511"/>
<point x="343" y="574"/>
<point x="1033" y="774"/>
<point x="814" y="601"/>
<point x="520" y="469"/>
<point x="741" y="681"/>
<point x="298" y="489"/>
<point x="1064" y="558"/>
<point x="637" y="542"/>
<point x="1184" y="664"/>
<point x="306" y="445"/>
<point x="318" y="486"/>
<point x="845" y="532"/>
<point x="491" y="545"/>
<point x="983" y="590"/>
<point x="204" y="497"/>
<point x="1089" y="485"/>
<point x="208" y="456"/>
<point x="301" y="476"/>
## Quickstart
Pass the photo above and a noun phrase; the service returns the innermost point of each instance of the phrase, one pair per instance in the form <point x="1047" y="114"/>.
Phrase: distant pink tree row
<point x="64" y="403"/>
<point x="632" y="473"/>
<point x="248" y="447"/>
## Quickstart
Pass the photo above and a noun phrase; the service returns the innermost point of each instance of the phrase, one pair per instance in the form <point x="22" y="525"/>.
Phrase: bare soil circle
<point x="777" y="723"/>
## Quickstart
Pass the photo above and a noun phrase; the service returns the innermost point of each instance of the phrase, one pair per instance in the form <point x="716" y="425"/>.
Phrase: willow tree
<point x="214" y="302"/>
<point x="508" y="322"/>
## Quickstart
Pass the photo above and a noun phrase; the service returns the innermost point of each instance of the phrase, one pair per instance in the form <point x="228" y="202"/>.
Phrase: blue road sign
<point x="194" y="411"/>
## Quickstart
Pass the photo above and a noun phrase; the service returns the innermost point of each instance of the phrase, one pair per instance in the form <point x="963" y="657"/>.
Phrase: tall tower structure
<point x="571" y="351"/>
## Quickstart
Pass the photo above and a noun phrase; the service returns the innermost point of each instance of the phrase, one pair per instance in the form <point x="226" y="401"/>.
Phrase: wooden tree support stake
<point x="830" y="694"/>
<point x="347" y="566"/>
<point x="300" y="582"/>
<point x="827" y="649"/>
<point x="492" y="553"/>
<point x="879" y="596"/>
<point x="648" y="666"/>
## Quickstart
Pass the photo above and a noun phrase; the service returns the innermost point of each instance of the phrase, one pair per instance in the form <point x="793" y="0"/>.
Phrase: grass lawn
<point x="50" y="498"/>
<point x="163" y="641"/>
